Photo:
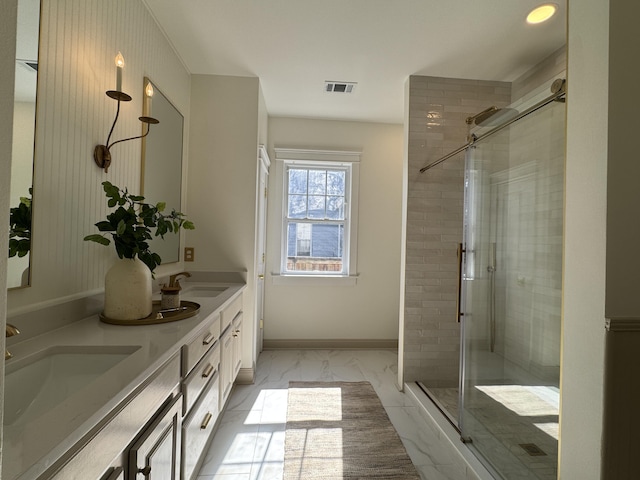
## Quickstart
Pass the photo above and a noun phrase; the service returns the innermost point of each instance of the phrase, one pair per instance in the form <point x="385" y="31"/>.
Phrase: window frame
<point x="326" y="160"/>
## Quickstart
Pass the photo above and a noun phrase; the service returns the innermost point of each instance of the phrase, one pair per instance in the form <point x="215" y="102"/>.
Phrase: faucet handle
<point x="173" y="279"/>
<point x="10" y="331"/>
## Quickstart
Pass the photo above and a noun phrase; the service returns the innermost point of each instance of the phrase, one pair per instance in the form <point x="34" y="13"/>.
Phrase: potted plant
<point x="128" y="282"/>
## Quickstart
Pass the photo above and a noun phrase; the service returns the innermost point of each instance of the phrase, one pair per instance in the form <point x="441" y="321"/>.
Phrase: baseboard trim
<point x="335" y="344"/>
<point x="246" y="376"/>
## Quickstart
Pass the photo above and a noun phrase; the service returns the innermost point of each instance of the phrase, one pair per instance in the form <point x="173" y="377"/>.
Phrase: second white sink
<point x="202" y="291"/>
<point x="35" y="384"/>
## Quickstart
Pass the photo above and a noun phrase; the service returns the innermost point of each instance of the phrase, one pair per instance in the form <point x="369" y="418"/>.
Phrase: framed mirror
<point x="161" y="176"/>
<point x="24" y="128"/>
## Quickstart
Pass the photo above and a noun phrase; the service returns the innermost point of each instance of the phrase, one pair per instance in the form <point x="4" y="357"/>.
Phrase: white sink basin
<point x="204" y="291"/>
<point x="35" y="384"/>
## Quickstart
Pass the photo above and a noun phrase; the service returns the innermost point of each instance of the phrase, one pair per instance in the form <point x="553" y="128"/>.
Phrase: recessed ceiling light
<point x="542" y="13"/>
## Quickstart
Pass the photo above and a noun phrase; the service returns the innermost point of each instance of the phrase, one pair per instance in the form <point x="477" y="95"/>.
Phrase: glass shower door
<point x="511" y="291"/>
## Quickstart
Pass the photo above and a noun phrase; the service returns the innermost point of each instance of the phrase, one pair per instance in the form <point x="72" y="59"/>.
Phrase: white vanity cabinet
<point x="208" y="381"/>
<point x="105" y="454"/>
<point x="200" y="386"/>
<point x="161" y="421"/>
<point x="230" y="361"/>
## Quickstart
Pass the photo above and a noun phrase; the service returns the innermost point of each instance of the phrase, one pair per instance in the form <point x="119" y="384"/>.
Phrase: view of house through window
<point x="316" y="222"/>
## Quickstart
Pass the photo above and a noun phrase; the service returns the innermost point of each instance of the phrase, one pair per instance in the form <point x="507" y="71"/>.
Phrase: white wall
<point x="585" y="242"/>
<point x="226" y="118"/>
<point x="368" y="310"/>
<point x="79" y="41"/>
<point x="223" y="146"/>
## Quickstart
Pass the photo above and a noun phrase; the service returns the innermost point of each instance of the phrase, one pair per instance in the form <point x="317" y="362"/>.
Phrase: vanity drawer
<point x="197" y="428"/>
<point x="193" y="351"/>
<point x="230" y="312"/>
<point x="199" y="376"/>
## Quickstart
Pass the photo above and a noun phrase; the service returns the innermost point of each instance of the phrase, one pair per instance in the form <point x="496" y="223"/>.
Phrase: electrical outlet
<point x="189" y="253"/>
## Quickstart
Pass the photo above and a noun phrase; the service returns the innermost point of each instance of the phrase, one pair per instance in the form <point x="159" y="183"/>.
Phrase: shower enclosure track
<point x="559" y="91"/>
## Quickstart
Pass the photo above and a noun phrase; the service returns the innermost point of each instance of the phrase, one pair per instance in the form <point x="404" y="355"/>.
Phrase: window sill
<point x="314" y="280"/>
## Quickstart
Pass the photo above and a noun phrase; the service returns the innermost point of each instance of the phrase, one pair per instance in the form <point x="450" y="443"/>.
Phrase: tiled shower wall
<point x="529" y="333"/>
<point x="438" y="108"/>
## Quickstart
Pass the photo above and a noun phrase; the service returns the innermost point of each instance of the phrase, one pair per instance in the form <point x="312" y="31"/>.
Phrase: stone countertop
<point x="31" y="445"/>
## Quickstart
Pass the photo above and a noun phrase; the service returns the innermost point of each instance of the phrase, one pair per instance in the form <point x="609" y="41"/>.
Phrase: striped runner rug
<point x="340" y="430"/>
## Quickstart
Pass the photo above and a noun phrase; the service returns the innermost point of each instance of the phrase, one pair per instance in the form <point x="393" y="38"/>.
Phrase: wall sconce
<point x="101" y="153"/>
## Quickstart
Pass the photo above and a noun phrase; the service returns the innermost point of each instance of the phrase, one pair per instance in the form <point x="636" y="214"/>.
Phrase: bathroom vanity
<point x="92" y="400"/>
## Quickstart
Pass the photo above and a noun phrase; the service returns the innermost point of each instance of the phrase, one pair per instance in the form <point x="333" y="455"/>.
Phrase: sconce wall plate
<point x="102" y="157"/>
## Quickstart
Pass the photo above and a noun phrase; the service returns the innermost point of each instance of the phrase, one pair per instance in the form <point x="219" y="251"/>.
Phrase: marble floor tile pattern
<point x="249" y="442"/>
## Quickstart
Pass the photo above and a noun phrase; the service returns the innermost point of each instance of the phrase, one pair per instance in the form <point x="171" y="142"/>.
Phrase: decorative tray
<point x="158" y="315"/>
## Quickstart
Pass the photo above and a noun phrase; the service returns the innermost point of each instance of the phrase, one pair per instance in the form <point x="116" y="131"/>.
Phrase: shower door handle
<point x="459" y="313"/>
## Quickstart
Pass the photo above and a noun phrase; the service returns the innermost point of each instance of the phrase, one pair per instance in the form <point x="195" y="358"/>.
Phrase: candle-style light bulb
<point x="148" y="93"/>
<point x="119" y="68"/>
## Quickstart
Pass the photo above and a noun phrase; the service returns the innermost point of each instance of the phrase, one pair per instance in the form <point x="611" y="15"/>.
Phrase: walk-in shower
<point x="510" y="265"/>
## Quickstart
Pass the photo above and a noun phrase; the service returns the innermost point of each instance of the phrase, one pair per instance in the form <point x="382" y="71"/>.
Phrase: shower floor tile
<point x="504" y="420"/>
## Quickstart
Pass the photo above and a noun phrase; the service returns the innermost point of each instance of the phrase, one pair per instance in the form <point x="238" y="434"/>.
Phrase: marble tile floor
<point x="249" y="442"/>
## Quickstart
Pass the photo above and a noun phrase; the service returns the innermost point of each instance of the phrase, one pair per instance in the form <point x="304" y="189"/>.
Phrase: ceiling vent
<point x="340" y="87"/>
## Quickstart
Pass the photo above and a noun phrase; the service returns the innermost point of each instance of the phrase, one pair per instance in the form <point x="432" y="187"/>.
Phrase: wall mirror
<point x="24" y="128"/>
<point x="161" y="178"/>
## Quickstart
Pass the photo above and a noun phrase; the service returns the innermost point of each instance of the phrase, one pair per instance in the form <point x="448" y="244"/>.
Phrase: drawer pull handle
<point x="146" y="471"/>
<point x="235" y="334"/>
<point x="207" y="371"/>
<point x="205" y="422"/>
<point x="208" y="339"/>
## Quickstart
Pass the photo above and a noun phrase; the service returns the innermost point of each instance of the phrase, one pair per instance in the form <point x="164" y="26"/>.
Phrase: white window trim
<point x="305" y="157"/>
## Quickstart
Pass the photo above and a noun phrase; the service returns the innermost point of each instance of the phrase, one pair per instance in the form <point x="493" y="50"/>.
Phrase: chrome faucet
<point x="173" y="279"/>
<point x="10" y="331"/>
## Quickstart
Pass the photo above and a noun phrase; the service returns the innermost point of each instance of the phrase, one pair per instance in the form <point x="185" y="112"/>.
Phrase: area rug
<point x="340" y="430"/>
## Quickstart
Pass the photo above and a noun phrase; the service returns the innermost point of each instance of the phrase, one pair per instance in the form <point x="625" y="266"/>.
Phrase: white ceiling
<point x="294" y="46"/>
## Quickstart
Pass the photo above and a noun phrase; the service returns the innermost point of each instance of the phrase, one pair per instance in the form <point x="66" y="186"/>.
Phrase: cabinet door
<point x="226" y="365"/>
<point x="156" y="453"/>
<point x="237" y="345"/>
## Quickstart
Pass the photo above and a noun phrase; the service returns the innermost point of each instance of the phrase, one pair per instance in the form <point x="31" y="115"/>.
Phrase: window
<point x="318" y="212"/>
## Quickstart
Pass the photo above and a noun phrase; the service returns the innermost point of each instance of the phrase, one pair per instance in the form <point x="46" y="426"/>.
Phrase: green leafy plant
<point x="20" y="227"/>
<point x="130" y="225"/>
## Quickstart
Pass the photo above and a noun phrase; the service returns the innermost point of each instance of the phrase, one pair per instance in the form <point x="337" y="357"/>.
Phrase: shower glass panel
<point x="511" y="292"/>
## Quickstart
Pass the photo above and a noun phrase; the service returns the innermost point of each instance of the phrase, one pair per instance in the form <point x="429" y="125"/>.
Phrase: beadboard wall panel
<point x="79" y="40"/>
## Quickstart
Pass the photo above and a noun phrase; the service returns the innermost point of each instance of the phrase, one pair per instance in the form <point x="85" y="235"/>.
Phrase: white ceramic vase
<point x="127" y="290"/>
